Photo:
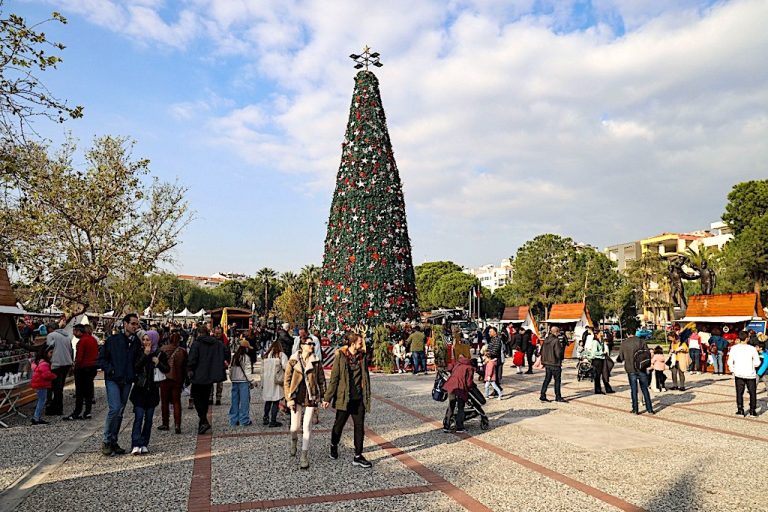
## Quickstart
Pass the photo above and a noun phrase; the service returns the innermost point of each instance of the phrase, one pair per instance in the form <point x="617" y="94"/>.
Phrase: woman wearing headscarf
<point x="145" y="394"/>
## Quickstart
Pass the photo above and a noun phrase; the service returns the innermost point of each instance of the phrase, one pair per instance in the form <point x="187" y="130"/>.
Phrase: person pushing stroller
<point x="457" y="386"/>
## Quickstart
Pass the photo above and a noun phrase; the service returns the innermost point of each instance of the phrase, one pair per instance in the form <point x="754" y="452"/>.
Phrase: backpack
<point x="642" y="359"/>
<point x="438" y="393"/>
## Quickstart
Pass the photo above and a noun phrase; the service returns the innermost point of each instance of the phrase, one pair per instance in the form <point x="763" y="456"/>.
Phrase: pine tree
<point x="367" y="276"/>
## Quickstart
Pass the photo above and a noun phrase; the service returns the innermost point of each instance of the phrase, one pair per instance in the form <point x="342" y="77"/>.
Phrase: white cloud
<point x="606" y="137"/>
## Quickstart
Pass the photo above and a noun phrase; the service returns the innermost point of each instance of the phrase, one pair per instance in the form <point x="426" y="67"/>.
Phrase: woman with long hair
<point x="145" y="394"/>
<point x="240" y="410"/>
<point x="273" y="367"/>
<point x="349" y="392"/>
<point x="304" y="389"/>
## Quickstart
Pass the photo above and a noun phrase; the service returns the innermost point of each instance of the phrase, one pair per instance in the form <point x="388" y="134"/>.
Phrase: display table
<point x="9" y="395"/>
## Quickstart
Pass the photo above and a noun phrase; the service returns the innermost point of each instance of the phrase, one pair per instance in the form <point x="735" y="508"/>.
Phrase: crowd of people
<point x="156" y="366"/>
<point x="152" y="366"/>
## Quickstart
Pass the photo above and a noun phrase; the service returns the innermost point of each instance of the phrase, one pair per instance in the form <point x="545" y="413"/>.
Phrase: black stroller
<point x="584" y="370"/>
<point x="473" y="407"/>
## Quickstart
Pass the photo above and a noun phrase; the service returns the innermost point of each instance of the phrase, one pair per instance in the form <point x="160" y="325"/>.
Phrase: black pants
<point x="270" y="410"/>
<point x="356" y="409"/>
<point x="751" y="385"/>
<point x="529" y="356"/>
<point x="56" y="405"/>
<point x="499" y="370"/>
<point x="199" y="394"/>
<point x="661" y="379"/>
<point x="84" y="389"/>
<point x="552" y="371"/>
<point x="453" y="402"/>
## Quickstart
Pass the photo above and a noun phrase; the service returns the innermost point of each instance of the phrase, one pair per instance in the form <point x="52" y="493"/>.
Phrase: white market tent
<point x="186" y="313"/>
<point x="202" y="312"/>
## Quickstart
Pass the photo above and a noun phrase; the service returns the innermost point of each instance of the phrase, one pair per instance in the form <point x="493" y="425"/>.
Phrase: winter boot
<point x="294" y="444"/>
<point x="304" y="461"/>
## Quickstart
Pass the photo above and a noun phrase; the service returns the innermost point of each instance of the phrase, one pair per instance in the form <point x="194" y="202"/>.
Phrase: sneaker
<point x="361" y="462"/>
<point x="334" y="451"/>
<point x="202" y="429"/>
<point x="117" y="450"/>
<point x="561" y="400"/>
<point x="544" y="399"/>
<point x="106" y="449"/>
<point x="275" y="424"/>
<point x="71" y="417"/>
<point x="144" y="450"/>
<point x="39" y="422"/>
<point x="753" y="413"/>
<point x="163" y="427"/>
<point x="461" y="431"/>
<point x="682" y="389"/>
<point x="136" y="451"/>
<point x="265" y="421"/>
<point x="740" y="412"/>
<point x="87" y="416"/>
<point x="247" y="424"/>
<point x="446" y="430"/>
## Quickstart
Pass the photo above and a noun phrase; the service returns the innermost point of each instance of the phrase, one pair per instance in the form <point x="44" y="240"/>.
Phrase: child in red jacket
<point x="42" y="381"/>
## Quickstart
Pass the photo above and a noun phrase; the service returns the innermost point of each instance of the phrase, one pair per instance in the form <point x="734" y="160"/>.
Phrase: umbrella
<point x="224" y="320"/>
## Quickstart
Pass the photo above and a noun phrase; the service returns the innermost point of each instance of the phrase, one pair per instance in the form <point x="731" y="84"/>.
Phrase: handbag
<point x="279" y="373"/>
<point x="159" y="376"/>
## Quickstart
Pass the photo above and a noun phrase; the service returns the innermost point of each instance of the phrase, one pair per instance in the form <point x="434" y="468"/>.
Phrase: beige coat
<point x="315" y="380"/>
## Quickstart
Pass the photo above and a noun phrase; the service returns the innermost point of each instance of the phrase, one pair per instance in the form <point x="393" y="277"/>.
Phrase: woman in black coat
<point x="145" y="395"/>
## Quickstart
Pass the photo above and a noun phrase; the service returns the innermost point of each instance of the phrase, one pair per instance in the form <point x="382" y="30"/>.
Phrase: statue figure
<point x="676" y="276"/>
<point x="707" y="277"/>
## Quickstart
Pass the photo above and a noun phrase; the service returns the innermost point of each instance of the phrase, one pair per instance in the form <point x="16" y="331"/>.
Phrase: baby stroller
<point x="584" y="370"/>
<point x="473" y="407"/>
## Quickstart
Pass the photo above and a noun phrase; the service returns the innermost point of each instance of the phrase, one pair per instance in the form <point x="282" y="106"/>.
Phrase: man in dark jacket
<point x="552" y="352"/>
<point x="627" y="352"/>
<point x="205" y="367"/>
<point x="285" y="339"/>
<point x="457" y="386"/>
<point x="496" y="351"/>
<point x="116" y="358"/>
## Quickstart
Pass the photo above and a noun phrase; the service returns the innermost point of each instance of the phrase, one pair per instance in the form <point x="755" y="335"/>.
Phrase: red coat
<point x="42" y="377"/>
<point x="87" y="352"/>
<point x="460" y="381"/>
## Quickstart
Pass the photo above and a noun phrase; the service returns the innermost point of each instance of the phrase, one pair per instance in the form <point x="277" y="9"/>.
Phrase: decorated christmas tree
<point x="367" y="277"/>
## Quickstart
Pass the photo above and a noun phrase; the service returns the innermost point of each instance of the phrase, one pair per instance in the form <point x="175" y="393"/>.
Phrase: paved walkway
<point x="587" y="454"/>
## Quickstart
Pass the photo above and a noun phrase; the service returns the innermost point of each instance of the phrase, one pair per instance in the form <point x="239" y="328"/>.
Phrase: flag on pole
<point x="224" y="320"/>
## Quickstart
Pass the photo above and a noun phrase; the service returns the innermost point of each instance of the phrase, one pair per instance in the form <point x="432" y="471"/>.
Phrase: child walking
<point x="42" y="381"/>
<point x="490" y="375"/>
<point x="658" y="364"/>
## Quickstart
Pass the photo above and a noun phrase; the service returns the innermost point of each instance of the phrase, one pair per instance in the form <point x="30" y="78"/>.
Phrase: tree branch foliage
<point x="86" y="236"/>
<point x="25" y="50"/>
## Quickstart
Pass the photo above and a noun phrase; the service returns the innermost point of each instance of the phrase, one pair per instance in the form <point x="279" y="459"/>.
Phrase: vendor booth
<point x="734" y="311"/>
<point x="520" y="317"/>
<point x="572" y="320"/>
<point x="238" y="316"/>
<point x="15" y="358"/>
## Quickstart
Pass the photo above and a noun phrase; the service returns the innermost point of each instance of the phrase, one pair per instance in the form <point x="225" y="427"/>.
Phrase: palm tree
<point x="290" y="279"/>
<point x="310" y="274"/>
<point x="266" y="275"/>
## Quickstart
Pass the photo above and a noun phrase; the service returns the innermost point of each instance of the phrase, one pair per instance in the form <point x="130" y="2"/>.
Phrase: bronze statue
<point x="676" y="276"/>
<point x="707" y="277"/>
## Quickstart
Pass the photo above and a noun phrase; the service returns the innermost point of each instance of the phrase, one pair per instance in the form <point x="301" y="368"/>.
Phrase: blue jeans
<point x="117" y="398"/>
<point x="642" y="378"/>
<point x="239" y="411"/>
<point x="142" y="426"/>
<point x="399" y="363"/>
<point x="695" y="359"/>
<point x="42" y="396"/>
<point x="419" y="362"/>
<point x="717" y="359"/>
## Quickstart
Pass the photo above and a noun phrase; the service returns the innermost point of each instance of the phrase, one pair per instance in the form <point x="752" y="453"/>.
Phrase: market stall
<point x="15" y="358"/>
<point x="572" y="320"/>
<point x="520" y="317"/>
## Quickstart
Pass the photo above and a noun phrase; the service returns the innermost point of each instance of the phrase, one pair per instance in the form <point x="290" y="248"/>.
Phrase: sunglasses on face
<point x="309" y="343"/>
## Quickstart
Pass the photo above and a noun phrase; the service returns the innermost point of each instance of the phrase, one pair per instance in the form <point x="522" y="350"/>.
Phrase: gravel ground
<point x="681" y="468"/>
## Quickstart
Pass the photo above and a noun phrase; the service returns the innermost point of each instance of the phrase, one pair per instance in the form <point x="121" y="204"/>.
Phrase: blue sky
<point x="602" y="120"/>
